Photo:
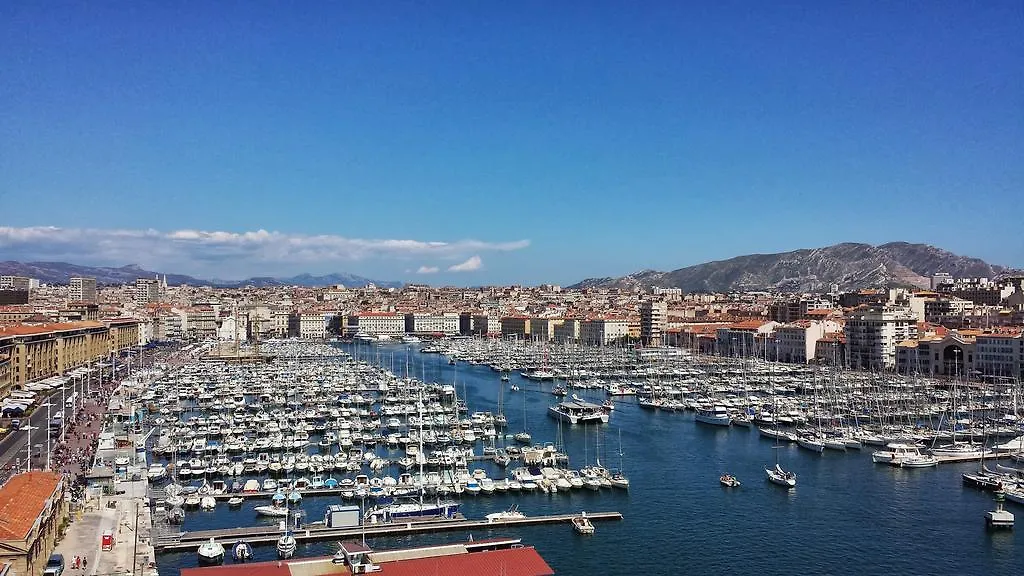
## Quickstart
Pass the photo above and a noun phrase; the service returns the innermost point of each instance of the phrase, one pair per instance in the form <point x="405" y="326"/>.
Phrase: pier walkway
<point x="269" y="534"/>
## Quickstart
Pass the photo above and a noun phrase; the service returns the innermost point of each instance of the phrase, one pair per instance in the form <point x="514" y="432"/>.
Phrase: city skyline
<point x="500" y="145"/>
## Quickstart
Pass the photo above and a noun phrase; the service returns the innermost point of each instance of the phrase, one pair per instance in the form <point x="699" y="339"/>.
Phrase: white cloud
<point x="427" y="270"/>
<point x="474" y="263"/>
<point x="191" y="251"/>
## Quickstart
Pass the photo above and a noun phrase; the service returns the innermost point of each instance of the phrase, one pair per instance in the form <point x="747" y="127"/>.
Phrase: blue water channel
<point x="846" y="516"/>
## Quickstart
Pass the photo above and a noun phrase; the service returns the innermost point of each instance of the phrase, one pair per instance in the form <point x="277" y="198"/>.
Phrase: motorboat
<point x="241" y="551"/>
<point x="717" y="415"/>
<point x="779" y="476"/>
<point x="729" y="481"/>
<point x="235" y="501"/>
<point x="582" y="525"/>
<point x="207" y="503"/>
<point x="211" y="553"/>
<point x="895" y="453"/>
<point x="512" y="513"/>
<point x="286" y="546"/>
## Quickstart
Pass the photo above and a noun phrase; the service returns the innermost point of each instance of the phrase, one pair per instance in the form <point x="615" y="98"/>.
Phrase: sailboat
<point x="524" y="436"/>
<point x="618" y="478"/>
<point x="777" y="475"/>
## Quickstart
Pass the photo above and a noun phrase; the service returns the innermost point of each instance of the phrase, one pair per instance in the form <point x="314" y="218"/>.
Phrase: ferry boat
<point x="579" y="412"/>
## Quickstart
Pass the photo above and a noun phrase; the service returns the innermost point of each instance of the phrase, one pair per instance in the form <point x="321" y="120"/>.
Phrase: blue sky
<point x="495" y="142"/>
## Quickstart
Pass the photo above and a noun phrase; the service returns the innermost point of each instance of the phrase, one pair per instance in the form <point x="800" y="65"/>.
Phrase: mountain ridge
<point x="61" y="272"/>
<point x="850" y="265"/>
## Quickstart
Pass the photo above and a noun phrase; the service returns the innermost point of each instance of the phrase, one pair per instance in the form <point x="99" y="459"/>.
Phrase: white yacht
<point x="717" y="415"/>
<point x="211" y="552"/>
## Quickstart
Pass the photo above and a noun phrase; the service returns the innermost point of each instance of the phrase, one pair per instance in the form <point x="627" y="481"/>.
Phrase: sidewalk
<point x="84" y="535"/>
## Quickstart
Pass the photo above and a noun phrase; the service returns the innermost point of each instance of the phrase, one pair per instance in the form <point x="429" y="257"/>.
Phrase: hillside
<point x="850" y="266"/>
<point x="60" y="272"/>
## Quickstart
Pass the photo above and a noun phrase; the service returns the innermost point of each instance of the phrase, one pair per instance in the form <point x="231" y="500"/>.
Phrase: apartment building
<point x="603" y="330"/>
<point x="947" y="310"/>
<point x="312" y="325"/>
<point x="35" y="351"/>
<point x="745" y="338"/>
<point x="376" y="324"/>
<point x="653" y="321"/>
<point x="567" y="331"/>
<point x="279" y="323"/>
<point x="872" y="333"/>
<point x="82" y="289"/>
<point x="19" y="283"/>
<point x="797" y="341"/>
<point x="147" y="290"/>
<point x="170" y="325"/>
<point x="515" y="327"/>
<point x="795" y="309"/>
<point x="429" y="323"/>
<point x="543" y="329"/>
<point x="201" y="322"/>
<point x="1000" y="354"/>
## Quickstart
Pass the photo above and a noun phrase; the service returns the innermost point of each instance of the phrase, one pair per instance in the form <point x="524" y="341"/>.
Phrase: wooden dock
<point x="269" y="534"/>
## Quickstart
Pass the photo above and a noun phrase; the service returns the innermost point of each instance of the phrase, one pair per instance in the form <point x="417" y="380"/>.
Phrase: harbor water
<point x="846" y="515"/>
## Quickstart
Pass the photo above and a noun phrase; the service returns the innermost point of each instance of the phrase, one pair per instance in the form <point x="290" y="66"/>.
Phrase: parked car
<point x="54" y="566"/>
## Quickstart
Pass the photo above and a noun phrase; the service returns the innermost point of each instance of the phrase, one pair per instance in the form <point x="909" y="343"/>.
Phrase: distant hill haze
<point x="61" y="272"/>
<point x="851" y="266"/>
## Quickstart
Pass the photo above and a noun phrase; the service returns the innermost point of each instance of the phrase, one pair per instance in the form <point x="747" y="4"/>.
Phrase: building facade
<point x="602" y="331"/>
<point x="653" y="321"/>
<point x="446" y="323"/>
<point x="1000" y="355"/>
<point x="37" y="351"/>
<point x="872" y="333"/>
<point x="82" y="289"/>
<point x="147" y="290"/>
<point x="33" y="507"/>
<point x="376" y="324"/>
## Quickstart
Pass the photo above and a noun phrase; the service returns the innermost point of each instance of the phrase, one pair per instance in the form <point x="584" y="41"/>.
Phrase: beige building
<point x="21" y="283"/>
<point x="797" y="342"/>
<point x="602" y="331"/>
<point x="872" y="333"/>
<point x="1000" y="354"/>
<point x="33" y="508"/>
<point x="429" y="323"/>
<point x="376" y="324"/>
<point x="653" y="321"/>
<point x="37" y="351"/>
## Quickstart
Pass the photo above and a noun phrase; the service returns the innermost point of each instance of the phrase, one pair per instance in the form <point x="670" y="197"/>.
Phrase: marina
<point x="383" y="446"/>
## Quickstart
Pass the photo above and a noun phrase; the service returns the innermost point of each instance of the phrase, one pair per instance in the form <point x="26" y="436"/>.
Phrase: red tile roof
<point x="511" y="562"/>
<point x="22" y="500"/>
<point x="30" y="329"/>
